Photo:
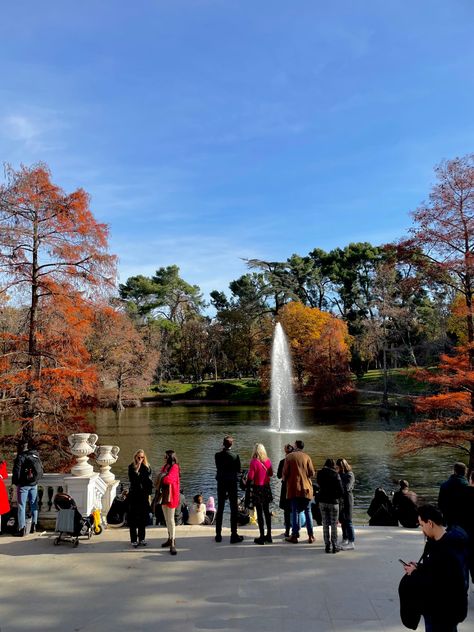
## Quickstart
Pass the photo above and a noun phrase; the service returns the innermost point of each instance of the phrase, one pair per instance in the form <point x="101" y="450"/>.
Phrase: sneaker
<point x="292" y="539"/>
<point x="218" y="538"/>
<point x="143" y="543"/>
<point x="134" y="544"/>
<point x="344" y="542"/>
<point x="235" y="539"/>
<point x="348" y="547"/>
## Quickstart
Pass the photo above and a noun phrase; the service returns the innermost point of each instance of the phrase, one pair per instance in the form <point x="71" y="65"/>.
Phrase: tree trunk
<point x="33" y="359"/>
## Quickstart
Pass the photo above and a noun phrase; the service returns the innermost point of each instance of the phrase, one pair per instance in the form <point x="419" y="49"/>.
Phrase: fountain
<point x="283" y="415"/>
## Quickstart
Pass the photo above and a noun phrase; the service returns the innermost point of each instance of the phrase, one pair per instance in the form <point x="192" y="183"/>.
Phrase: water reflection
<point x="196" y="433"/>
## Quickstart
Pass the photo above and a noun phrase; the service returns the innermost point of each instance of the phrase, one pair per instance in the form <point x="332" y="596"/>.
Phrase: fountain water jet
<point x="283" y="414"/>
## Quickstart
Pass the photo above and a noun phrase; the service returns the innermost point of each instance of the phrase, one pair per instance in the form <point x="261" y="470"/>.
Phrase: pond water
<point x="195" y="433"/>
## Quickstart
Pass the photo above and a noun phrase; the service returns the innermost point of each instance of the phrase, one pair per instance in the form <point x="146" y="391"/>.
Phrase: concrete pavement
<point x="106" y="586"/>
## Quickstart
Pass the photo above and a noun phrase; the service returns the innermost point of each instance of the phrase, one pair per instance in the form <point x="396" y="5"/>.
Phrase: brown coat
<point x="297" y="473"/>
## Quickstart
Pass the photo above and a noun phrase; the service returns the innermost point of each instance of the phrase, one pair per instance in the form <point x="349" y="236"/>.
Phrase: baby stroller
<point x="70" y="524"/>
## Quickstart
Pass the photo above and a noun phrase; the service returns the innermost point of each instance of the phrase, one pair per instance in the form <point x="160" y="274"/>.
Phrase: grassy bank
<point x="238" y="391"/>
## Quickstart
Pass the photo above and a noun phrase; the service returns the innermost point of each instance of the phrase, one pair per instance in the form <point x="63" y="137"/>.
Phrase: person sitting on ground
<point x="210" y="511"/>
<point x="381" y="510"/>
<point x="451" y="493"/>
<point x="197" y="511"/>
<point x="405" y="506"/>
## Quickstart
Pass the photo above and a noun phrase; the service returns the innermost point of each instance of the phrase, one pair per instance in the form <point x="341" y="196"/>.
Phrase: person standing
<point x="347" y="505"/>
<point x="451" y="494"/>
<point x="228" y="468"/>
<point x="405" y="506"/>
<point x="436" y="586"/>
<point x="139" y="475"/>
<point x="468" y="521"/>
<point x="27" y="470"/>
<point x="170" y="475"/>
<point x="330" y="494"/>
<point x="260" y="472"/>
<point x="284" y="502"/>
<point x="298" y="471"/>
<point x="4" y="502"/>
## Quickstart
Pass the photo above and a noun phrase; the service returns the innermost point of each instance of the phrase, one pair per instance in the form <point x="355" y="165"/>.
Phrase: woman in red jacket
<point x="170" y="478"/>
<point x="4" y="503"/>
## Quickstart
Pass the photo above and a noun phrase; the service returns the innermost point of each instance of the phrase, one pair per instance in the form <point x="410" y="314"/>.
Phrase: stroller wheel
<point x="97" y="530"/>
<point x="89" y="534"/>
<point x="57" y="541"/>
<point x="76" y="543"/>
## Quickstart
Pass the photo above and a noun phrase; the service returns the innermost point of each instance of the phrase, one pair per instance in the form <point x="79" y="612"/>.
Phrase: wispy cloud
<point x="31" y="131"/>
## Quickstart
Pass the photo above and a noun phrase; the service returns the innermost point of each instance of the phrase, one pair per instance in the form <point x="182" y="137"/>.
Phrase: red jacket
<point x="4" y="503"/>
<point x="172" y="479"/>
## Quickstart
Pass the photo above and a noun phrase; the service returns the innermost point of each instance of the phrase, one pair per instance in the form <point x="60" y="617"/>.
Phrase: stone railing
<point x="89" y="489"/>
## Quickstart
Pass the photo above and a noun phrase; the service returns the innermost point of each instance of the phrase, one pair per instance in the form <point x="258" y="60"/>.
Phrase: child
<point x="210" y="511"/>
<point x="197" y="511"/>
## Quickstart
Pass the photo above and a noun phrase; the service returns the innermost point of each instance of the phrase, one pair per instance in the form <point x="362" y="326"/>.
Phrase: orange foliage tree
<point x="53" y="262"/>
<point x="448" y="416"/>
<point x="125" y="357"/>
<point x="319" y="345"/>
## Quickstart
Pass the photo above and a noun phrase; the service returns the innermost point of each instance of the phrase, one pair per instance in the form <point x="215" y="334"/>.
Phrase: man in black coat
<point x="228" y="469"/>
<point x="451" y="495"/>
<point x="437" y="585"/>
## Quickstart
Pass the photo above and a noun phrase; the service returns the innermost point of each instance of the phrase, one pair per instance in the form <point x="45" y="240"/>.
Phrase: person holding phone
<point x="437" y="588"/>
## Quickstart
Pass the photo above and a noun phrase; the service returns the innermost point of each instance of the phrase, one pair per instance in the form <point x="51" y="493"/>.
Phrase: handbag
<point x="162" y="494"/>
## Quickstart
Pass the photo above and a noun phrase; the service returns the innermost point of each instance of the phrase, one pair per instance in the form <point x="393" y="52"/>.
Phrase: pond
<point x="195" y="433"/>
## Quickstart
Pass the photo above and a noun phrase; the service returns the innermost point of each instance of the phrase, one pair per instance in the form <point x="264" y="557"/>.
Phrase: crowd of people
<point x="435" y="587"/>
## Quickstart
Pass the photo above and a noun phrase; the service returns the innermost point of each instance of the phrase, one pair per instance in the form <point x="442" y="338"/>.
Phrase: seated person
<point x="197" y="511"/>
<point x="405" y="506"/>
<point x="381" y="510"/>
<point x="210" y="511"/>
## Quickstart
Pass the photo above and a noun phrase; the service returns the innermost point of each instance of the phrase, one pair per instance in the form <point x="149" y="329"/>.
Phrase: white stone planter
<point x="105" y="456"/>
<point x="82" y="444"/>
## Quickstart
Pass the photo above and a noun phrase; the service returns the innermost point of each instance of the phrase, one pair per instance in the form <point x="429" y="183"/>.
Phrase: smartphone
<point x="402" y="562"/>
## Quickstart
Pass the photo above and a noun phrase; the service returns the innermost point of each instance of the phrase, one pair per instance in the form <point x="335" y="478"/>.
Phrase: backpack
<point x="31" y="470"/>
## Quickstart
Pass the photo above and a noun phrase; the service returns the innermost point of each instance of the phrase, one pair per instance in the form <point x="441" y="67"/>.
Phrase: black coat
<point x="450" y="499"/>
<point x="228" y="466"/>
<point x="140" y="490"/>
<point x="330" y="486"/>
<point x="438" y="587"/>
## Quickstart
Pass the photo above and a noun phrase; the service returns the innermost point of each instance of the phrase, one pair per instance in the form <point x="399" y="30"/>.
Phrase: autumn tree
<point x="442" y="240"/>
<point x="447" y="417"/>
<point x="53" y="260"/>
<point x="319" y="345"/>
<point x="126" y="357"/>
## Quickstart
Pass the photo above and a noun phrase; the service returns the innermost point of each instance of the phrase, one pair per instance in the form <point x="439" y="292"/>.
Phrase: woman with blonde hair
<point x="259" y="474"/>
<point x="347" y="505"/>
<point x="139" y="475"/>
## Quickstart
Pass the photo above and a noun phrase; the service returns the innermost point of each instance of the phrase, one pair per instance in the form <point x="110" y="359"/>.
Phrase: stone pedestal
<point x="109" y="496"/>
<point x="87" y="491"/>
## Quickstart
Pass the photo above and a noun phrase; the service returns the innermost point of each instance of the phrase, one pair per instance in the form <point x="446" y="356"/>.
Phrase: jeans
<point x="298" y="505"/>
<point x="432" y="626"/>
<point x="347" y="530"/>
<point x="23" y="494"/>
<point x="330" y="514"/>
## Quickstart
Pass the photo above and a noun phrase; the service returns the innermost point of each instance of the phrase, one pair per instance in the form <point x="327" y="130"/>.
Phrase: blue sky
<point x="207" y="131"/>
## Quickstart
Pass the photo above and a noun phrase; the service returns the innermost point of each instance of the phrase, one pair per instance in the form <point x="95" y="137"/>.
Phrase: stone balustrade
<point x="88" y="488"/>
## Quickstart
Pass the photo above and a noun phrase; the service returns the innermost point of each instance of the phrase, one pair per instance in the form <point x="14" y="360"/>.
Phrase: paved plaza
<point x="106" y="586"/>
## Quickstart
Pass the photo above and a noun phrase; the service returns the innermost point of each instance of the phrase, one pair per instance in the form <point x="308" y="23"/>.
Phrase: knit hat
<point x="210" y="506"/>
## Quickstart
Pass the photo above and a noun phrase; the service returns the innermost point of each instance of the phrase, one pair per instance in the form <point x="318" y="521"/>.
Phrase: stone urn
<point x="105" y="456"/>
<point x="82" y="444"/>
